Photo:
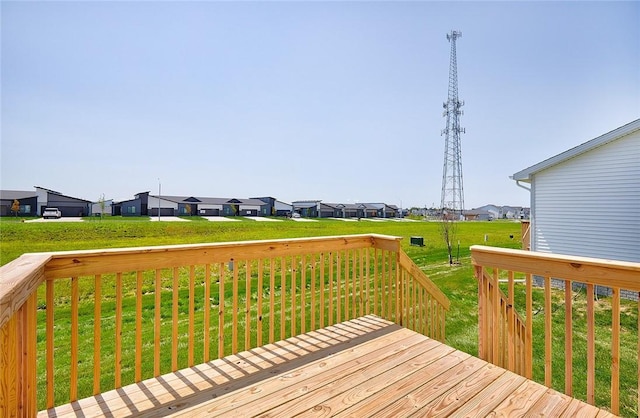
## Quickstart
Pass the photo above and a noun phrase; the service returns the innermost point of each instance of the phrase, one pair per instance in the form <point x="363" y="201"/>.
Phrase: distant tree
<point x="102" y="204"/>
<point x="187" y="209"/>
<point x="15" y="207"/>
<point x="448" y="228"/>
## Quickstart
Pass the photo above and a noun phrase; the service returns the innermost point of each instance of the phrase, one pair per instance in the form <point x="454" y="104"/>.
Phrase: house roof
<point x="211" y="200"/>
<point x="525" y="175"/>
<point x="60" y="194"/>
<point x="16" y="194"/>
<point x="305" y="204"/>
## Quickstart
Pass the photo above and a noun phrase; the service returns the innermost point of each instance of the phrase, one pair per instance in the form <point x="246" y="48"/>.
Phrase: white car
<point x="51" y="213"/>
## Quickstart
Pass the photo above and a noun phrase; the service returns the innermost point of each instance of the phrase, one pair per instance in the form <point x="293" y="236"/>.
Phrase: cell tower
<point x="452" y="190"/>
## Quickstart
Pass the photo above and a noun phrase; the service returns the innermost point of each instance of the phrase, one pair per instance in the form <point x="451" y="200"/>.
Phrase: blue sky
<point x="338" y="101"/>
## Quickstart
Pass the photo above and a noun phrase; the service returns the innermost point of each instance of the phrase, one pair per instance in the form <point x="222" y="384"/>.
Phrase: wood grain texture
<point x="363" y="367"/>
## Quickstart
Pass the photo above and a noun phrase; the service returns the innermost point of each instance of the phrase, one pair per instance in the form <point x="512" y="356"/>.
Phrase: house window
<point x="25" y="208"/>
<point x="131" y="209"/>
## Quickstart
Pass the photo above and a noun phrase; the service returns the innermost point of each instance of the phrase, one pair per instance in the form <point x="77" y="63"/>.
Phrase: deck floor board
<point x="364" y="367"/>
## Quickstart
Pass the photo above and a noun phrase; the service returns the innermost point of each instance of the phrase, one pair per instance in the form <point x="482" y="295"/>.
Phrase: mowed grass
<point x="457" y="282"/>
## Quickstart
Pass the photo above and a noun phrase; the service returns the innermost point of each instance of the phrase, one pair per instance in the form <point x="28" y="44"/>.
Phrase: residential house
<point x="68" y="206"/>
<point x="274" y="207"/>
<point x="146" y="204"/>
<point x="586" y="200"/>
<point x="27" y="203"/>
<point x="477" y="215"/>
<point x="306" y="208"/>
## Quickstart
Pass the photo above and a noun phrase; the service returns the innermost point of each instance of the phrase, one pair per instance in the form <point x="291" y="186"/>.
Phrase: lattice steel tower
<point x="452" y="189"/>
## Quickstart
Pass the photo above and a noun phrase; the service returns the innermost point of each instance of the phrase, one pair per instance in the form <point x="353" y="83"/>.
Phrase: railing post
<point x="18" y="362"/>
<point x="481" y="313"/>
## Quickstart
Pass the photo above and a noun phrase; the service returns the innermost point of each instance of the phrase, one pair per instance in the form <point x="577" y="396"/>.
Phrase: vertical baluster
<point x="367" y="279"/>
<point x="421" y="294"/>
<point x="118" y="342"/>
<point x="221" y="306"/>
<point x="156" y="323"/>
<point x="377" y="288"/>
<point x="349" y="291"/>
<point x="73" y="385"/>
<point x="234" y="312"/>
<point x="548" y="331"/>
<point x="495" y="345"/>
<point x="272" y="299"/>
<point x="568" y="338"/>
<point x="206" y="305"/>
<point x="330" y="316"/>
<point x="395" y="261"/>
<point x="322" y="290"/>
<point x="97" y="319"/>
<point x="357" y="283"/>
<point x="192" y="314"/>
<point x="390" y="291"/>
<point x="354" y="282"/>
<point x="591" y="350"/>
<point x="303" y="293"/>
<point x="294" y="313"/>
<point x="138" y="364"/>
<point x="529" y="330"/>
<point x="505" y="333"/>
<point x="247" y="306"/>
<point x="50" y="340"/>
<point x="27" y="317"/>
<point x="259" y="312"/>
<point x="338" y="287"/>
<point x="283" y="292"/>
<point x="361" y="265"/>
<point x="415" y="305"/>
<point x="483" y="314"/>
<point x="615" y="351"/>
<point x="313" y="291"/>
<point x="174" y="320"/>
<point x="511" y="318"/>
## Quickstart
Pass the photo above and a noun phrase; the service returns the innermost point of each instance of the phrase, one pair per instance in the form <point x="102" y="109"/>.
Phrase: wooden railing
<point x="76" y="324"/>
<point x="574" y="339"/>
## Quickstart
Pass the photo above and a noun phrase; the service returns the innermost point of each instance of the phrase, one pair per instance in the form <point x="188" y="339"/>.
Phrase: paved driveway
<point x="168" y="219"/>
<point x="63" y="219"/>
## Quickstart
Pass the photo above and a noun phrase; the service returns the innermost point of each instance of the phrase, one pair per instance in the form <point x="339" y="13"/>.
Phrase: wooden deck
<point x="364" y="367"/>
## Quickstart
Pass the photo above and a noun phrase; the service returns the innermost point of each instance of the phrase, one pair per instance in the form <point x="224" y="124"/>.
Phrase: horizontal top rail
<point x="18" y="280"/>
<point x="587" y="270"/>
<point x="420" y="277"/>
<point x="21" y="277"/>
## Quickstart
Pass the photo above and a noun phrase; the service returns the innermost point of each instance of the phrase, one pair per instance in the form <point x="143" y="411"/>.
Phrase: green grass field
<point x="457" y="281"/>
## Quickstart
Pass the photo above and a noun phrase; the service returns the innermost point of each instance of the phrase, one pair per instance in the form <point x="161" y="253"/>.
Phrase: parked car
<point x="51" y="213"/>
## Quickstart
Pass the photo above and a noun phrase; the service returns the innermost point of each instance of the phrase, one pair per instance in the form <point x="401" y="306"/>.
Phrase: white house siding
<point x="203" y="206"/>
<point x="152" y="203"/>
<point x="589" y="205"/>
<point x="249" y="207"/>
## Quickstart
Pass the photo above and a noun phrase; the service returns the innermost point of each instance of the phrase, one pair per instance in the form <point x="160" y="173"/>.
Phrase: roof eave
<point x="526" y="174"/>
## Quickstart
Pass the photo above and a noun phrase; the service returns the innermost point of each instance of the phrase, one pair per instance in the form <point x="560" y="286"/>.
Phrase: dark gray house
<point x="69" y="206"/>
<point x="34" y="203"/>
<point x="145" y="204"/>
<point x="27" y="202"/>
<point x="319" y="209"/>
<point x="138" y="206"/>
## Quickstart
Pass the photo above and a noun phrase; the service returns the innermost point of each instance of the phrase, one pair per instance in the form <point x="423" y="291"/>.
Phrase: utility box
<point x="417" y="241"/>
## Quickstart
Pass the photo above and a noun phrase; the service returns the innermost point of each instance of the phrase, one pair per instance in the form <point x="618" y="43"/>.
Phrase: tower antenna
<point x="452" y="189"/>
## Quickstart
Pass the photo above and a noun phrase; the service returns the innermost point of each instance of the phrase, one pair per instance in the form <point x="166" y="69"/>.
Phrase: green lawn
<point x="457" y="281"/>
